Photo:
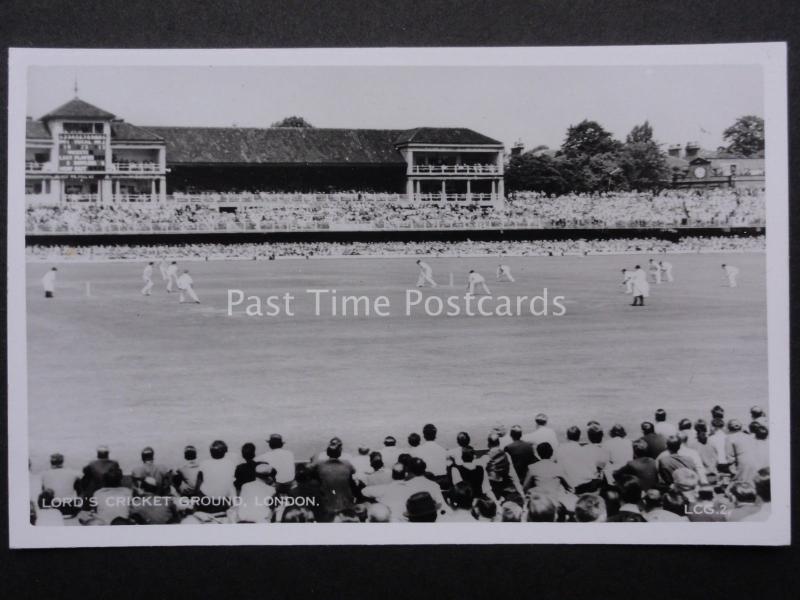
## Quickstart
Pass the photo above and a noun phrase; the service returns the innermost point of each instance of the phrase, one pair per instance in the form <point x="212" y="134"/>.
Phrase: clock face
<point x="700" y="172"/>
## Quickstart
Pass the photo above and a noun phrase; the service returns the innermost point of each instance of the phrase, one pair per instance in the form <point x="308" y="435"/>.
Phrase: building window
<point x="83" y="128"/>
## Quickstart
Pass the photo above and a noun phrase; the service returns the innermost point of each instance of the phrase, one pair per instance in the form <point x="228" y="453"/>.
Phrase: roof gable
<point x="78" y="109"/>
<point x="36" y="130"/>
<point x="125" y="132"/>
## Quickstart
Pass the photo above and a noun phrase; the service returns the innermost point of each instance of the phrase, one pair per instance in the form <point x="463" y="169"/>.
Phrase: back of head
<point x="541" y="419"/>
<point x="651" y="499"/>
<point x="398" y="472"/>
<point x="389" y="441"/>
<point x="421" y="508"/>
<point x="541" y="508"/>
<point x="249" y="451"/>
<point x="484" y="508"/>
<point x="461" y="496"/>
<point x="685" y="425"/>
<point x="378" y="513"/>
<point x="640" y="448"/>
<point x="574" y="433"/>
<point x="414" y="440"/>
<point x="417" y="466"/>
<point x="334" y="450"/>
<point x="617" y="431"/>
<point x="275" y="441"/>
<point x="429" y="432"/>
<point x="661" y="415"/>
<point x="675" y="502"/>
<point x="112" y="478"/>
<point x="701" y="425"/>
<point x="515" y="433"/>
<point x="734" y="426"/>
<point x="56" y="460"/>
<point x="297" y="514"/>
<point x="468" y="455"/>
<point x="595" y="434"/>
<point x="717" y="412"/>
<point x="630" y="490"/>
<point x="510" y="512"/>
<point x="544" y="450"/>
<point x="648" y="427"/>
<point x="673" y="443"/>
<point x="743" y="491"/>
<point x="190" y="453"/>
<point x="375" y="460"/>
<point x="148" y="454"/>
<point x="218" y="449"/>
<point x="493" y="441"/>
<point x="102" y="452"/>
<point x="589" y="508"/>
<point x="463" y="439"/>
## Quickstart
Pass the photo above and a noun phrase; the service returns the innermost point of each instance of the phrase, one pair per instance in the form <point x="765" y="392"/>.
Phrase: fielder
<point x="627" y="281"/>
<point x="185" y="287"/>
<point x="732" y="273"/>
<point x="172" y="275"/>
<point x="655" y="271"/>
<point x="476" y="279"/>
<point x="666" y="270"/>
<point x="163" y="266"/>
<point x="147" y="277"/>
<point x="49" y="283"/>
<point x="425" y="275"/>
<point x="641" y="287"/>
<point x="504" y="273"/>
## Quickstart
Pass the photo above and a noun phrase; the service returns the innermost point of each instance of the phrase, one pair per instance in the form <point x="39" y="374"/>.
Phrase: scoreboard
<point x="81" y="152"/>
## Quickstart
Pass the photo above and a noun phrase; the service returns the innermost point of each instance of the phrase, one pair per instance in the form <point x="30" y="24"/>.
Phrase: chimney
<point x="692" y="149"/>
<point x="674" y="150"/>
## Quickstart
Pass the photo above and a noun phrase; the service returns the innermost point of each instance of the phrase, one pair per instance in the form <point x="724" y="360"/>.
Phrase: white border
<point x="776" y="531"/>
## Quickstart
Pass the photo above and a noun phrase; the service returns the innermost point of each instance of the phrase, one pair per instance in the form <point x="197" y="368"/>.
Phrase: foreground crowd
<point x="707" y="470"/>
<point x="716" y="207"/>
<point x="266" y="251"/>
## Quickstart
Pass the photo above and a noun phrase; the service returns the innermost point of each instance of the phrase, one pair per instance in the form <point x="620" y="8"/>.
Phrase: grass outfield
<point x="130" y="371"/>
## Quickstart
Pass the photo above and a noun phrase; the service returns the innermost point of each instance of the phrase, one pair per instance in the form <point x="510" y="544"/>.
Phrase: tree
<point x="745" y="136"/>
<point x="292" y="121"/>
<point x="533" y="171"/>
<point x="642" y="161"/>
<point x="588" y="138"/>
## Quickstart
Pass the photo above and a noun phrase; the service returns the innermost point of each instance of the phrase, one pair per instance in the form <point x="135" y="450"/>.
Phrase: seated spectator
<point x="433" y="455"/>
<point x="463" y="440"/>
<point x="390" y="452"/>
<point x="662" y="427"/>
<point x="579" y="464"/>
<point x="656" y="443"/>
<point x="336" y="480"/>
<point x="215" y="479"/>
<point x="718" y="440"/>
<point x="590" y="508"/>
<point x="245" y="472"/>
<point x="148" y="468"/>
<point x="298" y="514"/>
<point x="282" y="460"/>
<point x="521" y="452"/>
<point x="631" y="497"/>
<point x="45" y="515"/>
<point x="94" y="473"/>
<point x="542" y="433"/>
<point x="378" y="473"/>
<point x="670" y="460"/>
<point x="152" y="507"/>
<point x="502" y="477"/>
<point x="255" y="497"/>
<point x="64" y="485"/>
<point x="658" y="507"/>
<point x="460" y="499"/>
<point x="510" y="512"/>
<point x="307" y="489"/>
<point x="743" y="495"/>
<point x="758" y="415"/>
<point x="185" y="479"/>
<point x="378" y="513"/>
<point x="740" y="452"/>
<point x="594" y="433"/>
<point x="545" y="474"/>
<point x="112" y="501"/>
<point x="484" y="510"/>
<point x="706" y="450"/>
<point x="541" y="508"/>
<point x="620" y="451"/>
<point x="421" y="508"/>
<point x="470" y="473"/>
<point x="760" y="445"/>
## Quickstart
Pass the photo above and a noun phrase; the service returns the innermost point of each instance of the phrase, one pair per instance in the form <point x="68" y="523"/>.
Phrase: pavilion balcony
<point x="486" y="169"/>
<point x="135" y="167"/>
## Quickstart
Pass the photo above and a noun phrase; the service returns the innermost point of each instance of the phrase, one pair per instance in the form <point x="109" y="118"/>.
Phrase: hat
<point x="148" y="451"/>
<point x="685" y="480"/>
<point x="275" y="437"/>
<point x="541" y="418"/>
<point x="102" y="449"/>
<point x="420" y="505"/>
<point x="735" y="425"/>
<point x="389" y="440"/>
<point x="56" y="458"/>
<point x="516" y="428"/>
<point x="756" y="411"/>
<point x="335" y="441"/>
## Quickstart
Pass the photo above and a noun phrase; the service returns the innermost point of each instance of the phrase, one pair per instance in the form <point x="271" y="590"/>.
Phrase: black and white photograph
<point x="421" y="296"/>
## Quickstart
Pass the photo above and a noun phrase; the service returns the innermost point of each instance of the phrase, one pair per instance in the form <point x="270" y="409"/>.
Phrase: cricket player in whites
<point x="666" y="270"/>
<point x="641" y="287"/>
<point x="425" y="275"/>
<point x="476" y="279"/>
<point x="732" y="273"/>
<point x="147" y="277"/>
<point x="655" y="271"/>
<point x="504" y="273"/>
<point x="163" y="265"/>
<point x="49" y="283"/>
<point x="172" y="275"/>
<point x="185" y="287"/>
<point x="627" y="281"/>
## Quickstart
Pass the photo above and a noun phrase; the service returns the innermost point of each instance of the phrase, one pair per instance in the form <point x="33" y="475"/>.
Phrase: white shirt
<point x="147" y="275"/>
<point x="434" y="456"/>
<point x="731" y="270"/>
<point x="475" y="278"/>
<point x="172" y="270"/>
<point x="184" y="281"/>
<point x="218" y="476"/>
<point x="426" y="268"/>
<point x="665" y="429"/>
<point x="666" y="266"/>
<point x="255" y="502"/>
<point x="282" y="460"/>
<point x="502" y="269"/>
<point x="49" y="281"/>
<point x="540" y="435"/>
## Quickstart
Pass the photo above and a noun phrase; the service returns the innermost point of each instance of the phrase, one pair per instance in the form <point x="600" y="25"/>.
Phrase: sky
<point x="533" y="104"/>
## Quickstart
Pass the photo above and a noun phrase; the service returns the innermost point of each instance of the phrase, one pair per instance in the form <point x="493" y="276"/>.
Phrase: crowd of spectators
<point x="310" y="212"/>
<point x="710" y="469"/>
<point x="268" y="251"/>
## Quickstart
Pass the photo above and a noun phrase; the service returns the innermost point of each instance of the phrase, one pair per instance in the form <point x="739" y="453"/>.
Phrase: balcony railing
<point x="462" y="198"/>
<point x="454" y="169"/>
<point x="33" y="165"/>
<point x="135" y="167"/>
